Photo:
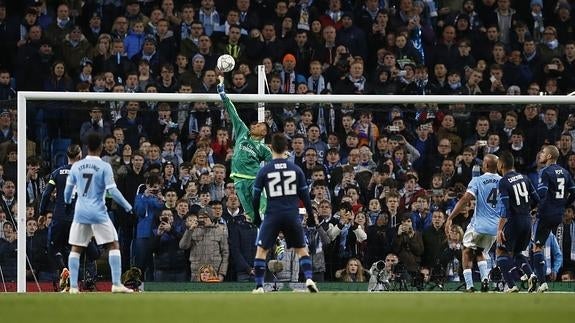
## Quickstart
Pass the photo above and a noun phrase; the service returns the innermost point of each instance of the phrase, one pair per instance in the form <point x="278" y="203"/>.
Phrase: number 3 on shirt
<point x="560" y="188"/>
<point x="282" y="183"/>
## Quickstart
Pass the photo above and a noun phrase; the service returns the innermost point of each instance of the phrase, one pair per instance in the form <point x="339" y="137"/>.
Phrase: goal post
<point x="24" y="97"/>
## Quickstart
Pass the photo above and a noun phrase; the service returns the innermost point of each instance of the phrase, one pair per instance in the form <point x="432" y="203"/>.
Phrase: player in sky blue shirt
<point x="481" y="231"/>
<point x="285" y="185"/>
<point x="517" y="196"/>
<point x="92" y="178"/>
<point x="556" y="190"/>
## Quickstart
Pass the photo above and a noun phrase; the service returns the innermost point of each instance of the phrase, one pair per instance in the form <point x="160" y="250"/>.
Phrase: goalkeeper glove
<point x="221" y="90"/>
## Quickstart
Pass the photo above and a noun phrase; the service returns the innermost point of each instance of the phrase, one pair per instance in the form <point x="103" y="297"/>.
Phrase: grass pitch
<point x="287" y="307"/>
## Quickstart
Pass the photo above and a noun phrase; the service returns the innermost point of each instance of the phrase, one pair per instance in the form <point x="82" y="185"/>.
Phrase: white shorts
<point x="474" y="240"/>
<point x="82" y="233"/>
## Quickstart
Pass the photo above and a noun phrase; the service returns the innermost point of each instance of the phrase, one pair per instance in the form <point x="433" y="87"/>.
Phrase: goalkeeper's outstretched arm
<point x="238" y="125"/>
<point x="221" y="89"/>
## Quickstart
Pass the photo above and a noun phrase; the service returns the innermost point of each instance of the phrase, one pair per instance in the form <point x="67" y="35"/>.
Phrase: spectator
<point x="208" y="244"/>
<point x="434" y="240"/>
<point x="207" y="274"/>
<point x="451" y="257"/>
<point x="169" y="259"/>
<point x="96" y="124"/>
<point x="408" y="245"/>
<point x="63" y="24"/>
<point x="353" y="272"/>
<point x="74" y="48"/>
<point x="58" y="80"/>
<point x="8" y="251"/>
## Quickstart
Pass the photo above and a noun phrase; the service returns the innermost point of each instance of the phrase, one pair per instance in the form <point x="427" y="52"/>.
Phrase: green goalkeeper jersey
<point x="248" y="152"/>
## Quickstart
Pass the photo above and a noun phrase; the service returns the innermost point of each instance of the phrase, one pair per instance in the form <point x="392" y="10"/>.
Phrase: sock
<point x="260" y="271"/>
<point x="305" y="266"/>
<point x="74" y="267"/>
<point x="539" y="266"/>
<point x="522" y="262"/>
<point x="115" y="260"/>
<point x="468" y="278"/>
<point x="504" y="264"/>
<point x="60" y="261"/>
<point x="483" y="269"/>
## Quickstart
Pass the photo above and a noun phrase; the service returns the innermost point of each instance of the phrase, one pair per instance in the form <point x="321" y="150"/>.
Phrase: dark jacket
<point x="242" y="247"/>
<point x="167" y="252"/>
<point x="434" y="242"/>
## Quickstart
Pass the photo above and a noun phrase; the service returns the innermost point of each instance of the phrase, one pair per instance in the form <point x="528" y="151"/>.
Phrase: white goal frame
<point x="25" y="96"/>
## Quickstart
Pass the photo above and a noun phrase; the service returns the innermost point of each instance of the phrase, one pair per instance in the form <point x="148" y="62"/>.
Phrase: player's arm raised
<point x="239" y="127"/>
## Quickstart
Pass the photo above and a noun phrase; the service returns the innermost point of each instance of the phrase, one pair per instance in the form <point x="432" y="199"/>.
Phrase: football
<point x="226" y="63"/>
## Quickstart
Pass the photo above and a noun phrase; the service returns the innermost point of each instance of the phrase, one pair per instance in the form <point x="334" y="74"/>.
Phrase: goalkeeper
<point x="249" y="151"/>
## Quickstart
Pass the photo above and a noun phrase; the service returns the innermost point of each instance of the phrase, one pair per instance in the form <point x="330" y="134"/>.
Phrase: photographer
<point x="381" y="274"/>
<point x="169" y="259"/>
<point x="408" y="245"/>
<point x="147" y="206"/>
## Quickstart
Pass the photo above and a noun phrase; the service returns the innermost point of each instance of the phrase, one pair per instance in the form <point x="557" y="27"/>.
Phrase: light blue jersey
<point x="485" y="189"/>
<point x="91" y="177"/>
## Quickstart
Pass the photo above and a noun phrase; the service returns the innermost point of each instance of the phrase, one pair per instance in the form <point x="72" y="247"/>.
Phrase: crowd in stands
<point x="382" y="177"/>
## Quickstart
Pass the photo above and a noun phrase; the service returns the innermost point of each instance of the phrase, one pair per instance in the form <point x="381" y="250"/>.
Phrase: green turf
<point x="287" y="307"/>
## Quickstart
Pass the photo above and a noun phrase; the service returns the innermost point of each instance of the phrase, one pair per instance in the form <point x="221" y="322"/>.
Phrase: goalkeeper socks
<point x="483" y="269"/>
<point x="539" y="266"/>
<point x="468" y="278"/>
<point x="74" y="267"/>
<point x="522" y="262"/>
<point x="305" y="266"/>
<point x="504" y="264"/>
<point x="115" y="261"/>
<point x="259" y="271"/>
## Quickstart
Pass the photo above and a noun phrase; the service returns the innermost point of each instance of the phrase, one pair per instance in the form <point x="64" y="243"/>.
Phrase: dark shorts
<point x="544" y="227"/>
<point x="517" y="236"/>
<point x="291" y="227"/>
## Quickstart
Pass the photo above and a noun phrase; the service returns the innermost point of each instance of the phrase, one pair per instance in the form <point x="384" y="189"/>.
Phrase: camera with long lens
<point x="400" y="277"/>
<point x="379" y="277"/>
<point x="438" y="277"/>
